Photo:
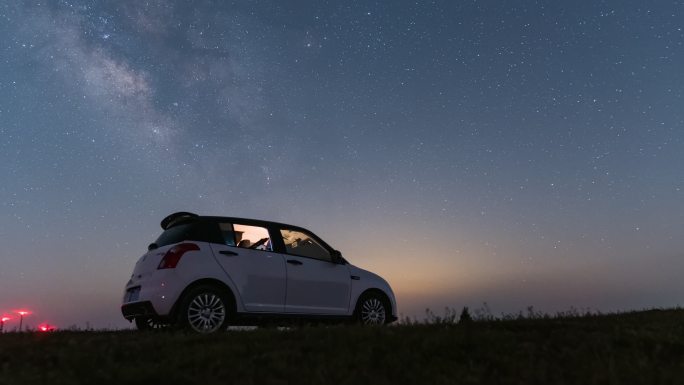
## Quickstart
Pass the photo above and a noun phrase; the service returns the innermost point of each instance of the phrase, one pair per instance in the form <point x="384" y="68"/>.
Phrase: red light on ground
<point x="46" y="328"/>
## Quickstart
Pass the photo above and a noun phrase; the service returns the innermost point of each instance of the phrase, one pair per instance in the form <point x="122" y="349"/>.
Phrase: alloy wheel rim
<point x="206" y="313"/>
<point x="373" y="312"/>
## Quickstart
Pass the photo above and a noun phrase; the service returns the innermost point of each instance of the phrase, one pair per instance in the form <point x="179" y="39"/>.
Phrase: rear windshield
<point x="194" y="231"/>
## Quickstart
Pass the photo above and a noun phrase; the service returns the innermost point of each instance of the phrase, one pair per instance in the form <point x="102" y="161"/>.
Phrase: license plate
<point x="133" y="294"/>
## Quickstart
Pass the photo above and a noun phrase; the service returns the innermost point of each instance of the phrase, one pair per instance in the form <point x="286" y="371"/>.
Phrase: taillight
<point x="173" y="256"/>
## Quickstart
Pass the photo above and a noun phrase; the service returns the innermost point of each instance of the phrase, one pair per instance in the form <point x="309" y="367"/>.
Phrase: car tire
<point x="372" y="309"/>
<point x="205" y="309"/>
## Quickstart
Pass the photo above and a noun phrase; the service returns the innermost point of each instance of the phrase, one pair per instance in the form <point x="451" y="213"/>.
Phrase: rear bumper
<point x="138" y="309"/>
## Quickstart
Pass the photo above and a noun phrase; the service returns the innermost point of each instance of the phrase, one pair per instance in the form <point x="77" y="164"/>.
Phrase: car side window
<point x="303" y="244"/>
<point x="227" y="233"/>
<point x="246" y="237"/>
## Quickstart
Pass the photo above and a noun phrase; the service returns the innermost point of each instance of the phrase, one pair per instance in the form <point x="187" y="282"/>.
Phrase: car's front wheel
<point x="205" y="309"/>
<point x="372" y="309"/>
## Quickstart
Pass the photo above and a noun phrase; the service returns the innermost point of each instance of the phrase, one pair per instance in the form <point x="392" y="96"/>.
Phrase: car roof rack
<point x="177" y="218"/>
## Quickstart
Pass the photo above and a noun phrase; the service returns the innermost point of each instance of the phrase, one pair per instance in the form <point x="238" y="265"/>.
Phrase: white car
<point x="206" y="272"/>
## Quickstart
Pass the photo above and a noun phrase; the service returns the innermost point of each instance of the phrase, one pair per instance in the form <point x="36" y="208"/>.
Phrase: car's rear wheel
<point x="146" y="323"/>
<point x="372" y="309"/>
<point x="205" y="309"/>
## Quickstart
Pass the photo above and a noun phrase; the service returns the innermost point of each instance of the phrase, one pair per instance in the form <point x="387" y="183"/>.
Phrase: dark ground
<point x="632" y="348"/>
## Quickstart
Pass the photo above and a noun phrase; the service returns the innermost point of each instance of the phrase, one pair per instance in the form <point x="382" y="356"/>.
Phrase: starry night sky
<point x="518" y="153"/>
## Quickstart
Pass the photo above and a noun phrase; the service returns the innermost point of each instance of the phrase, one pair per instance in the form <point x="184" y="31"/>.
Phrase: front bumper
<point x="138" y="309"/>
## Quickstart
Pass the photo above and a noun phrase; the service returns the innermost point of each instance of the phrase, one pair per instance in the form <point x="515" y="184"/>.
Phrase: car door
<point x="257" y="272"/>
<point x="315" y="285"/>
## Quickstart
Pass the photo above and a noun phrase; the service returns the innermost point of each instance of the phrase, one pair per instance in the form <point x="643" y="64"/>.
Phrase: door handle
<point x="228" y="252"/>
<point x="294" y="262"/>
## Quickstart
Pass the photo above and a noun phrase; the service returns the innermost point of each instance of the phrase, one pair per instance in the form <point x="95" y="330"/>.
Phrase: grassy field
<point x="632" y="348"/>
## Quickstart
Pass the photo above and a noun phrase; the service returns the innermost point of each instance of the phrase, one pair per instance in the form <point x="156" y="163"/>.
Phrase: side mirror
<point x="152" y="246"/>
<point x="337" y="257"/>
